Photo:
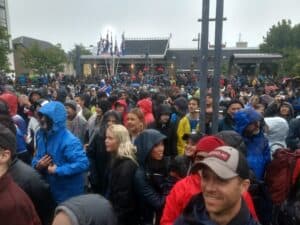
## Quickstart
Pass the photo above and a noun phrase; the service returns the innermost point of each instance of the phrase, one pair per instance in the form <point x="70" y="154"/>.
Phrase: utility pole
<point x="204" y="62"/>
<point x="218" y="61"/>
<point x="198" y="39"/>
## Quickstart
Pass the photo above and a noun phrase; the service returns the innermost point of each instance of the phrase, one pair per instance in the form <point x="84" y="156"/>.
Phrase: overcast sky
<point x="76" y="21"/>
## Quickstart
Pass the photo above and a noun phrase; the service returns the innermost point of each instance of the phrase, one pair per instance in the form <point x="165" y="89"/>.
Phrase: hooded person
<point x="163" y="124"/>
<point x="248" y="125"/>
<point x="145" y="106"/>
<point x="276" y="132"/>
<point x="60" y="156"/>
<point x="286" y="111"/>
<point x="150" y="179"/>
<point x="89" y="209"/>
<point x="12" y="102"/>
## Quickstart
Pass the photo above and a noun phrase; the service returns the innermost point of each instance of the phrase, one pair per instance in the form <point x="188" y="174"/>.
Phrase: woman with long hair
<point x="97" y="154"/>
<point x="120" y="188"/>
<point x="135" y="123"/>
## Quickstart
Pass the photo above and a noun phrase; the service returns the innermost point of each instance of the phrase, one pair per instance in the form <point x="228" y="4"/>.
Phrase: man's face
<point x="252" y="129"/>
<point x="193" y="106"/>
<point x="221" y="197"/>
<point x="45" y="122"/>
<point x="71" y="113"/>
<point x="233" y="108"/>
<point x="164" y="118"/>
<point x="79" y="101"/>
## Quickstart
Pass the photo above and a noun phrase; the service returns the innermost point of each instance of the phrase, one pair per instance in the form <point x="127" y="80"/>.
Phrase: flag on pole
<point x="117" y="53"/>
<point x="123" y="44"/>
<point x="111" y="44"/>
<point x="106" y="48"/>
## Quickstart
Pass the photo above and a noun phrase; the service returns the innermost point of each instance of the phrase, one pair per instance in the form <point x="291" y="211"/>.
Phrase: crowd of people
<point x="122" y="155"/>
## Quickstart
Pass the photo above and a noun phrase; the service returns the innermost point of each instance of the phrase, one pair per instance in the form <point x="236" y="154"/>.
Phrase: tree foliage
<point x="4" y="50"/>
<point x="44" y="61"/>
<point x="284" y="38"/>
<point x="74" y="54"/>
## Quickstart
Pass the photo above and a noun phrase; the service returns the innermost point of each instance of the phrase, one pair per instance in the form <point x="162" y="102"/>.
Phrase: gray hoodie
<point x="277" y="132"/>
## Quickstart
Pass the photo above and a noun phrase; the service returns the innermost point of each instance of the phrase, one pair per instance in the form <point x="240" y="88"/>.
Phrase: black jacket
<point x="293" y="138"/>
<point x="150" y="181"/>
<point x="99" y="159"/>
<point x="35" y="187"/>
<point x="196" y="214"/>
<point x="120" y="190"/>
<point x="89" y="209"/>
<point x="168" y="129"/>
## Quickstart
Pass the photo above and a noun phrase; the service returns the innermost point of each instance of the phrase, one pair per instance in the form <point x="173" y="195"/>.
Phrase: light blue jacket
<point x="66" y="151"/>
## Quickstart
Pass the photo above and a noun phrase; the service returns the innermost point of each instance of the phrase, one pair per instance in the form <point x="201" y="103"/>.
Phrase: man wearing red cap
<point x="186" y="188"/>
<point x="224" y="179"/>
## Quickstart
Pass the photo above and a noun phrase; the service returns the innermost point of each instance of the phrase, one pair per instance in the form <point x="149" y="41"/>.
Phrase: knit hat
<point x="72" y="104"/>
<point x="227" y="162"/>
<point x="209" y="143"/>
<point x="7" y="139"/>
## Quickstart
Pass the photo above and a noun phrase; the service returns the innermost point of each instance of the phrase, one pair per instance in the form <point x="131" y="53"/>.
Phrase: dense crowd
<point x="109" y="153"/>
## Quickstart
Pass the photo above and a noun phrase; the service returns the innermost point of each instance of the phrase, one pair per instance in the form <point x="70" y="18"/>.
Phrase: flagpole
<point x="117" y="65"/>
<point x="107" y="71"/>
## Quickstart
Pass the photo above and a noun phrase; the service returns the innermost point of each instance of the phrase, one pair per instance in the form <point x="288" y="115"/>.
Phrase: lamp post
<point x="204" y="63"/>
<point x="218" y="61"/>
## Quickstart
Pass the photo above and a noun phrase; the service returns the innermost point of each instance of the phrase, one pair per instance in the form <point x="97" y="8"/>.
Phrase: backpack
<point x="279" y="174"/>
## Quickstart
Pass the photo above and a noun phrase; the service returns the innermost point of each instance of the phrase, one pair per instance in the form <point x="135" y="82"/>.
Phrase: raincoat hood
<point x="121" y="102"/>
<point x="244" y="117"/>
<point x="278" y="129"/>
<point x="89" y="209"/>
<point x="145" y="143"/>
<point x="291" y="114"/>
<point x="11" y="101"/>
<point x="145" y="105"/>
<point x="57" y="113"/>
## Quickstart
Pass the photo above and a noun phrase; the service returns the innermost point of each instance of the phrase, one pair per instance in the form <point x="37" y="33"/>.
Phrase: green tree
<point x="74" y="54"/>
<point x="278" y="37"/>
<point x="285" y="39"/>
<point x="44" y="61"/>
<point x="4" y="50"/>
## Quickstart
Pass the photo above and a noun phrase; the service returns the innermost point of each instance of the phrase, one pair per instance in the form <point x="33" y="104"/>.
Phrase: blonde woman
<point x="135" y="123"/>
<point x="121" y="172"/>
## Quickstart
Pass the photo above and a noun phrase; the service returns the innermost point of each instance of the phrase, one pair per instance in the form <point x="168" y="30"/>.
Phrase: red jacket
<point x="181" y="194"/>
<point x="16" y="207"/>
<point x="145" y="106"/>
<point x="296" y="172"/>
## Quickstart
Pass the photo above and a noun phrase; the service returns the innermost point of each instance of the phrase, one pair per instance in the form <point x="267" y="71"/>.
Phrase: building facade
<point x="4" y="22"/>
